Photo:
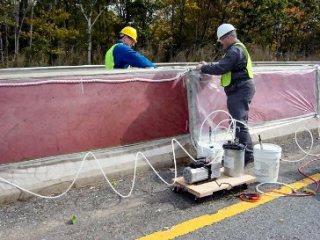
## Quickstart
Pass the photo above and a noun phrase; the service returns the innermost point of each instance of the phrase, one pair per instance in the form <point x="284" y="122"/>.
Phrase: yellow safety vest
<point x="226" y="78"/>
<point x="108" y="60"/>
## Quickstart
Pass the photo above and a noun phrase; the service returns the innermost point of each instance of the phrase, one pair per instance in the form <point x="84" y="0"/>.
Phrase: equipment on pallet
<point x="201" y="170"/>
<point x="217" y="167"/>
<point x="208" y="167"/>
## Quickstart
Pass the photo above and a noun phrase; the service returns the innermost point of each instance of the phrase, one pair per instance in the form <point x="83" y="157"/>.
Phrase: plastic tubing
<point x="105" y="176"/>
<point x="306" y="153"/>
<point x="274" y="195"/>
<point x="214" y="112"/>
<point x="232" y="123"/>
<point x="97" y="80"/>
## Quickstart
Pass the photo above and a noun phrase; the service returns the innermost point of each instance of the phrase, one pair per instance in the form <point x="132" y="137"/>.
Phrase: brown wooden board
<point x="208" y="188"/>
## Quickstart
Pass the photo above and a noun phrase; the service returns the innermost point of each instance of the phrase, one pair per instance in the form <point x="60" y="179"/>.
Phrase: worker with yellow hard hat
<point x="121" y="54"/>
<point x="236" y="73"/>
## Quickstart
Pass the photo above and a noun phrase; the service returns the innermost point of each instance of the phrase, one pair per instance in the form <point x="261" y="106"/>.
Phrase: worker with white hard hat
<point x="236" y="73"/>
<point x="121" y="54"/>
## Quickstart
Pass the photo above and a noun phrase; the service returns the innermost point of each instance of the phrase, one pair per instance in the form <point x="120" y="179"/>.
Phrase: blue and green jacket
<point x="122" y="56"/>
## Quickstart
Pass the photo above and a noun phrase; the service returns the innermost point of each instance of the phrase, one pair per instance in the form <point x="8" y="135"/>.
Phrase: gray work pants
<point x="239" y="97"/>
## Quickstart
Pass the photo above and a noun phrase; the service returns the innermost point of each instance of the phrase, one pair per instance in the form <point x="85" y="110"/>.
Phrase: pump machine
<point x="213" y="158"/>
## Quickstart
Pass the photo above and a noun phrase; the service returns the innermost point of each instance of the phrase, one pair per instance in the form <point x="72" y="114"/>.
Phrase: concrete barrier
<point x="53" y="175"/>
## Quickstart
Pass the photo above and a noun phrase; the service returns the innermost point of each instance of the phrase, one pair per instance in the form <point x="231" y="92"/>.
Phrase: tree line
<point x="79" y="32"/>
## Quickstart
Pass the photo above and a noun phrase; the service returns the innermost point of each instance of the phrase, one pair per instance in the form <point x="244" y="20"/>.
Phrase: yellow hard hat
<point x="131" y="32"/>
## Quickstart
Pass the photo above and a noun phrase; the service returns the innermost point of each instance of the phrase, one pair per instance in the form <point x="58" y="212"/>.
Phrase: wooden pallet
<point x="208" y="188"/>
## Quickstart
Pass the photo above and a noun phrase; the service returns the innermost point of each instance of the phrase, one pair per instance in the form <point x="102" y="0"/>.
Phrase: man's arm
<point x="132" y="58"/>
<point x="226" y="64"/>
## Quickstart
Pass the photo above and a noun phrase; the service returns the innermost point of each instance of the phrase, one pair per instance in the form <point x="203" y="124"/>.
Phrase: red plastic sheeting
<point x="52" y="119"/>
<point x="279" y="95"/>
<point x="58" y="118"/>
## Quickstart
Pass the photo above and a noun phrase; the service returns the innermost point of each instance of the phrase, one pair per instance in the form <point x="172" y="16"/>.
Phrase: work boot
<point x="248" y="158"/>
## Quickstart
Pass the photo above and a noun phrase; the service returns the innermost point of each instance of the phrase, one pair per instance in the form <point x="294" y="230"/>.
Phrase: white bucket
<point x="266" y="162"/>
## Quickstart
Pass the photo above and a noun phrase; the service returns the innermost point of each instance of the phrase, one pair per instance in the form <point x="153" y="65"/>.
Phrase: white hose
<point x="232" y="123"/>
<point x="105" y="176"/>
<point x="306" y="153"/>
<point x="96" y="80"/>
<point x="274" y="195"/>
<point x="146" y="159"/>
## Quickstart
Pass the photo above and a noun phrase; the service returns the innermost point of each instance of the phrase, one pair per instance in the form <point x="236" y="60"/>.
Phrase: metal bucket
<point x="233" y="159"/>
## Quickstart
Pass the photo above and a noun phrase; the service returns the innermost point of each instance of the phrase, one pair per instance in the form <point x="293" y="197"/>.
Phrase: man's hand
<point x="198" y="67"/>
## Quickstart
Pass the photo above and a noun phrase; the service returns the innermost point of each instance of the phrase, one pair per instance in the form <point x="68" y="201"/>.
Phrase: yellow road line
<point x="205" y="220"/>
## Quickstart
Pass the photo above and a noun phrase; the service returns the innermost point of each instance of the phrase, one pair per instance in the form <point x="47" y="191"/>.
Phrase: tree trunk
<point x="31" y="26"/>
<point x="7" y="45"/>
<point x="89" y="40"/>
<point x="16" y="30"/>
<point x="1" y="48"/>
<point x="90" y="25"/>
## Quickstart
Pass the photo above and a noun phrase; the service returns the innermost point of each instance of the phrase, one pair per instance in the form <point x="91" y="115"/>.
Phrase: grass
<point x="194" y="54"/>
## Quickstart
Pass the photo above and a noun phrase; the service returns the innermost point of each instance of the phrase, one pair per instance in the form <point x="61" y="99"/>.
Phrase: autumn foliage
<point x="78" y="32"/>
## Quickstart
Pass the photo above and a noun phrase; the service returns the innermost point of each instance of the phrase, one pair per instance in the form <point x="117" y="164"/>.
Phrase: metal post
<point x="317" y="68"/>
<point x="192" y="77"/>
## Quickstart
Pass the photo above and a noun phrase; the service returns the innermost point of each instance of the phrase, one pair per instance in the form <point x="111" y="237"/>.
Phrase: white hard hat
<point x="223" y="29"/>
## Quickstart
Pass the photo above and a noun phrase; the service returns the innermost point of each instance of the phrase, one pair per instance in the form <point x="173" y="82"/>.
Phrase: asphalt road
<point x="100" y="214"/>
